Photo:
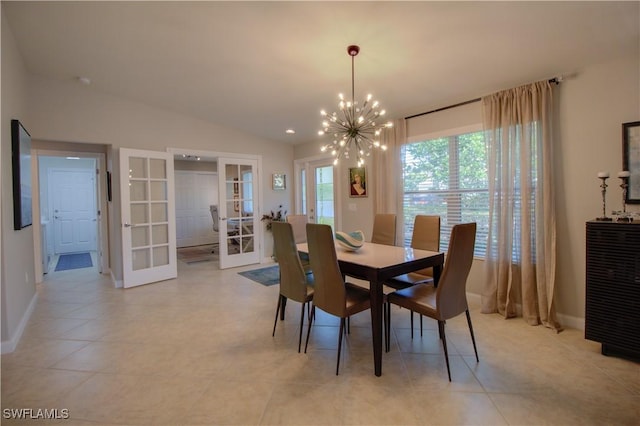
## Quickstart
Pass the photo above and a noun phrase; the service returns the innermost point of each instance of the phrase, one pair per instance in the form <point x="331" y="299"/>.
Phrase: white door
<point x="320" y="193"/>
<point x="238" y="189"/>
<point x="73" y="208"/>
<point x="148" y="217"/>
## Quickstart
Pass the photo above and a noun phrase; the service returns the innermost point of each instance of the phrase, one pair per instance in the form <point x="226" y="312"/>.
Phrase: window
<point x="447" y="176"/>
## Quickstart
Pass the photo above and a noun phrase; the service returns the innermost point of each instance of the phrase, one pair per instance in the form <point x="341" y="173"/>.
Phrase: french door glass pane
<point x="324" y="196"/>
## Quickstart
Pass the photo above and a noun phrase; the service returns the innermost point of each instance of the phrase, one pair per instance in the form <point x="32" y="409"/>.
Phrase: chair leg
<point x="277" y="312"/>
<point x="348" y="325"/>
<point x="444" y="345"/>
<point x="340" y="344"/>
<point x="420" y="325"/>
<point x="301" y="325"/>
<point x="411" y="324"/>
<point x="313" y="314"/>
<point x="473" y="339"/>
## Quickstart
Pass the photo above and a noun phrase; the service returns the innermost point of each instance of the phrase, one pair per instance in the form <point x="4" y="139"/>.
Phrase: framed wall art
<point x="279" y="181"/>
<point x="631" y="159"/>
<point x="357" y="182"/>
<point x="21" y="165"/>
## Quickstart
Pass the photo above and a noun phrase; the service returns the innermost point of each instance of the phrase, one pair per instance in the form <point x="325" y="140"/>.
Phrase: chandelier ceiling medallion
<point x="354" y="126"/>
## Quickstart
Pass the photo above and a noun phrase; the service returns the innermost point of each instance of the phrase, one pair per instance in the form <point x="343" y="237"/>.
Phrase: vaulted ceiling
<point x="263" y="67"/>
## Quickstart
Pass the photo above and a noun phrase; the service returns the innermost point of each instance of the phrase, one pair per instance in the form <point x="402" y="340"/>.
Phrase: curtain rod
<point x="556" y="80"/>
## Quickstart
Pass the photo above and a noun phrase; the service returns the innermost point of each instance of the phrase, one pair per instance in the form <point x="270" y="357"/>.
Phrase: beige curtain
<point x="521" y="250"/>
<point x="387" y="173"/>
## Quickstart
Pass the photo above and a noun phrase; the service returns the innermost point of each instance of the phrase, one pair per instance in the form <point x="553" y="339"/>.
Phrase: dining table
<point x="377" y="263"/>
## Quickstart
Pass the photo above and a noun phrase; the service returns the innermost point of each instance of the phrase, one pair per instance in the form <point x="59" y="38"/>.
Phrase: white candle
<point x="603" y="174"/>
<point x="624" y="174"/>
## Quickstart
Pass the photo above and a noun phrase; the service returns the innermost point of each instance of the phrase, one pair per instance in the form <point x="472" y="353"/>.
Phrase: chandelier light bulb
<point x="354" y="126"/>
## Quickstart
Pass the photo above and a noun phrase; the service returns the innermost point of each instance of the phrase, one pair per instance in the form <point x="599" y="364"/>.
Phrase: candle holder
<point x="603" y="186"/>
<point x="624" y="184"/>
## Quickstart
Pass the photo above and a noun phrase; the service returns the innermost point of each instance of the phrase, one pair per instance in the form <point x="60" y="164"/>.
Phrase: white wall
<point x="592" y="104"/>
<point x="18" y="290"/>
<point x="592" y="107"/>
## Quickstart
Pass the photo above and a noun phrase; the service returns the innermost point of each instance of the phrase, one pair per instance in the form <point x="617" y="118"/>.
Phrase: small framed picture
<point x="279" y="181"/>
<point x="357" y="182"/>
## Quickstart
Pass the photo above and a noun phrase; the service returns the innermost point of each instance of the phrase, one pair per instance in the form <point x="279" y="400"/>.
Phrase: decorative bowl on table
<point x="350" y="241"/>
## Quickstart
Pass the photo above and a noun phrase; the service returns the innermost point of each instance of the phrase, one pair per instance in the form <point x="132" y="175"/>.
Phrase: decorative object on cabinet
<point x="274" y="216"/>
<point x="604" y="176"/>
<point x="631" y="159"/>
<point x="612" y="311"/>
<point x="624" y="184"/>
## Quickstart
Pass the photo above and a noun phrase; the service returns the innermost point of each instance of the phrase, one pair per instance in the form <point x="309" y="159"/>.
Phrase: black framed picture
<point x="21" y="165"/>
<point x="631" y="159"/>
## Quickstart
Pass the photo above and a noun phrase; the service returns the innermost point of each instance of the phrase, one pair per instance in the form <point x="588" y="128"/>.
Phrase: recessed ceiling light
<point x="290" y="131"/>
<point x="84" y="80"/>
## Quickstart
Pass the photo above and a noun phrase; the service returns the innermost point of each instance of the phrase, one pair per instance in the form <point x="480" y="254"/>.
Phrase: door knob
<point x="126" y="225"/>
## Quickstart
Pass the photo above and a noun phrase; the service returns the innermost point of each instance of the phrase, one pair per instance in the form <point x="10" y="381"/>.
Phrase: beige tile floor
<point x="199" y="350"/>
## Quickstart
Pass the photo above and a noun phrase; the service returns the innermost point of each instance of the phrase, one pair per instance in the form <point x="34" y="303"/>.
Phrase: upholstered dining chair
<point x="384" y="229"/>
<point x="425" y="236"/>
<point x="295" y="283"/>
<point x="331" y="293"/>
<point x="298" y="224"/>
<point x="449" y="298"/>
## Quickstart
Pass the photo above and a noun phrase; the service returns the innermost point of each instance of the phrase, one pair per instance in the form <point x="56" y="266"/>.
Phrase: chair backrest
<point x="451" y="297"/>
<point x="214" y="216"/>
<point x="293" y="280"/>
<point x="384" y="229"/>
<point x="329" y="292"/>
<point x="298" y="222"/>
<point x="426" y="236"/>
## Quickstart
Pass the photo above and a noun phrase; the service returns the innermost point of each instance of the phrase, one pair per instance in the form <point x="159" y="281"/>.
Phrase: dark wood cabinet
<point x="612" y="313"/>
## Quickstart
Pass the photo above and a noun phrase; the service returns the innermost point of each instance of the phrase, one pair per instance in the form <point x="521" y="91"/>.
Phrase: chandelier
<point x="355" y="126"/>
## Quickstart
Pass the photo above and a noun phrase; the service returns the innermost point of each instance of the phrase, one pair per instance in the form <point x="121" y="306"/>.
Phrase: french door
<point x="238" y="215"/>
<point x="148" y="217"/>
<point x="316" y="191"/>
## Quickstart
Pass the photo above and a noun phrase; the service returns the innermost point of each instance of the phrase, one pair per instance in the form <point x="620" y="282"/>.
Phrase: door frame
<point x="101" y="203"/>
<point x="214" y="155"/>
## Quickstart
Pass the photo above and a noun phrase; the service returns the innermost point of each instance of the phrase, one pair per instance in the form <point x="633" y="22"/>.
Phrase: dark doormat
<point x="265" y="276"/>
<point x="74" y="261"/>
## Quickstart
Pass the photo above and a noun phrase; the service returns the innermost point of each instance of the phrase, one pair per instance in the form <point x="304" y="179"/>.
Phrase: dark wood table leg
<point x="376" y="324"/>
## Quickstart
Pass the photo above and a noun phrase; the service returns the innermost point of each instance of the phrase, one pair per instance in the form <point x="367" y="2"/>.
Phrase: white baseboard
<point x="568" y="321"/>
<point x="10" y="345"/>
<point x="117" y="283"/>
<point x="565" y="320"/>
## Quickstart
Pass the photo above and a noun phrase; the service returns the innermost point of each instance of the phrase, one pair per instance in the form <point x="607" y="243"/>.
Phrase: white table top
<point x="376" y="255"/>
